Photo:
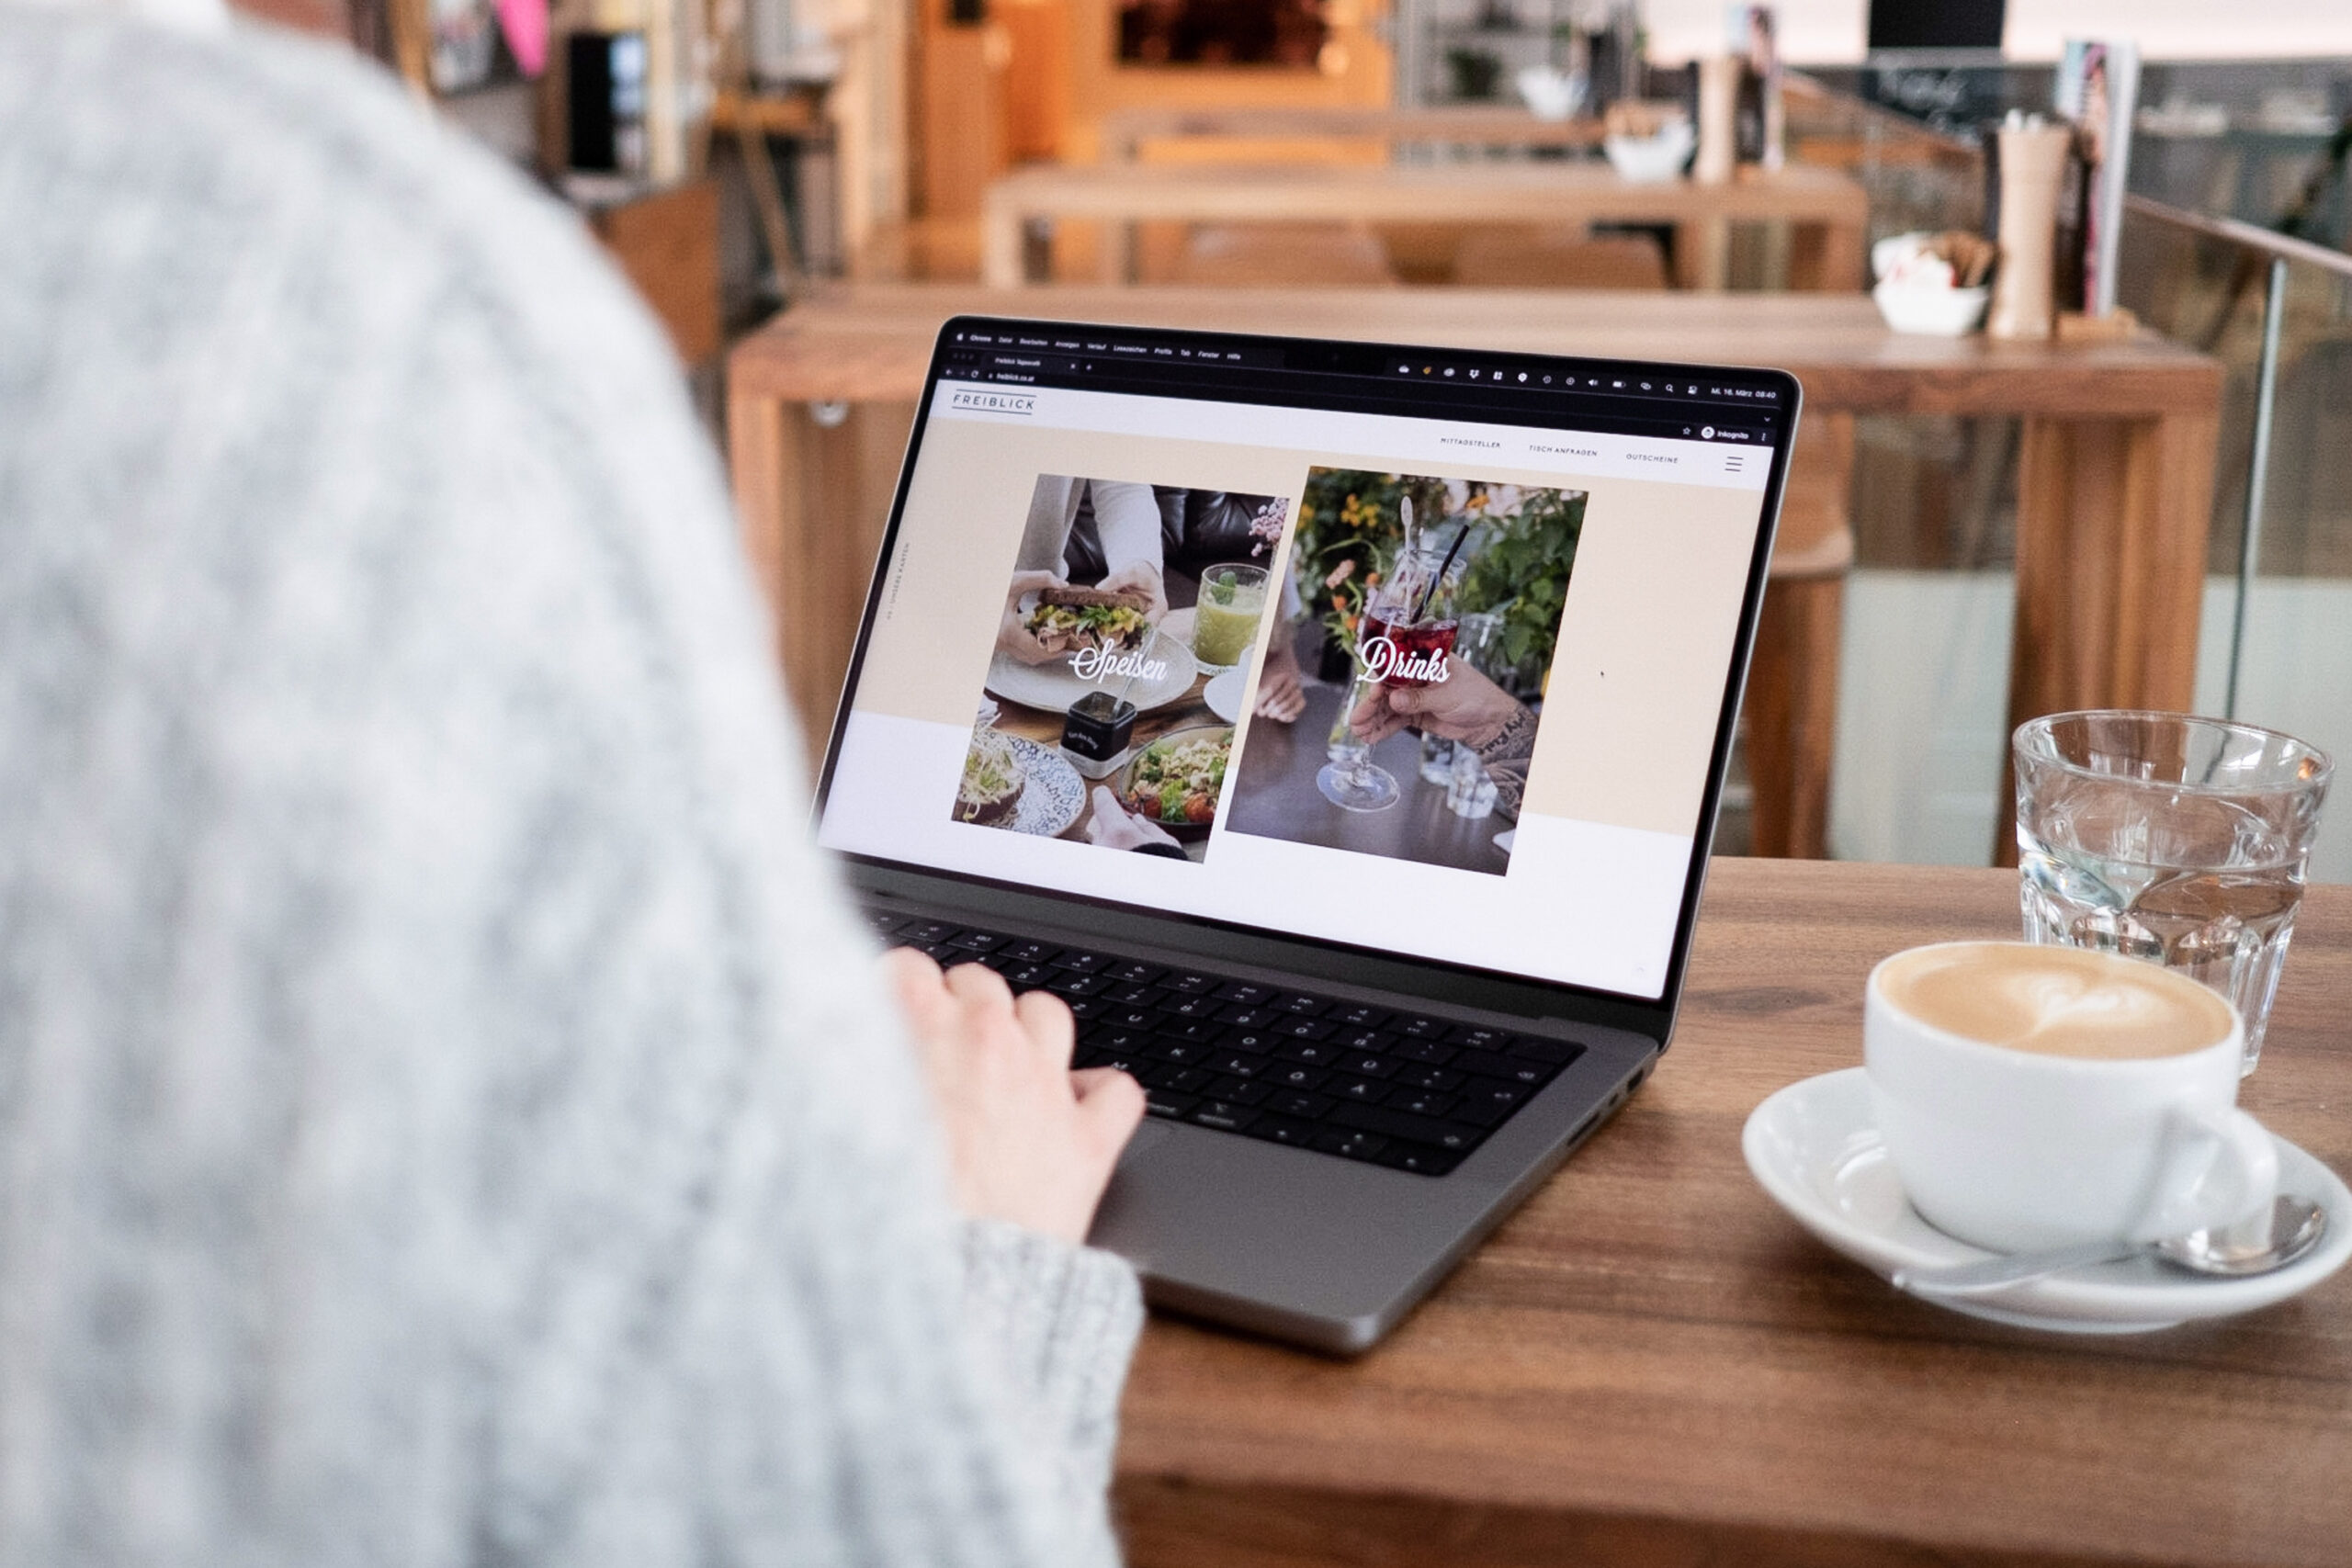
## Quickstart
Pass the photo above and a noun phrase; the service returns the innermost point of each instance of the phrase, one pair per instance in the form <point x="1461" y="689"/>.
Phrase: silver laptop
<point x="1339" y="727"/>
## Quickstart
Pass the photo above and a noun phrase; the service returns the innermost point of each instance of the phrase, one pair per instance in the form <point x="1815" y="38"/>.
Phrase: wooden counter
<point x="1833" y="208"/>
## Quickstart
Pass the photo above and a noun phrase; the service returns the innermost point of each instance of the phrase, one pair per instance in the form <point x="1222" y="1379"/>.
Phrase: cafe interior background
<point x="746" y="158"/>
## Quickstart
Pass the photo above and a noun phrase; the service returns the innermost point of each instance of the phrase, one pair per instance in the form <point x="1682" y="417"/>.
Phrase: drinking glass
<point x="2183" y="841"/>
<point x="1224" y="617"/>
<point x="1404" y="639"/>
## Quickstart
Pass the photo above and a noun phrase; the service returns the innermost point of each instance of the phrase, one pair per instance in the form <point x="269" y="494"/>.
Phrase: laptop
<point x="1339" y="727"/>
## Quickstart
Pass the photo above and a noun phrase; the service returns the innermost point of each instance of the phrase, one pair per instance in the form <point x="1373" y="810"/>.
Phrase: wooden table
<point x="1828" y="210"/>
<point x="2114" y="476"/>
<point x="1650" y="1364"/>
<point x="1124" y="131"/>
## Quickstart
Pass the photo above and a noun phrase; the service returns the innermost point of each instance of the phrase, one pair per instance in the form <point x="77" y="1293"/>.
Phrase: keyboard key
<point x="1104" y="1037"/>
<point x="1203" y="1007"/>
<point x="1510" y="1069"/>
<point x="1360" y="1092"/>
<point x="1246" y="1017"/>
<point x="976" y="941"/>
<point x="999" y="962"/>
<point x="1029" y="951"/>
<point x="1128" y="1017"/>
<point x="1181" y="1080"/>
<point x="1222" y="1115"/>
<point x="1065" y="983"/>
<point x="930" y="931"/>
<point x="1137" y="974"/>
<point x="1256" y="1041"/>
<point x="1487" y="1104"/>
<point x="1245" y="993"/>
<point x="1028" y="977"/>
<point x="1292" y="1075"/>
<point x="1428" y="1050"/>
<point x="1421" y="1129"/>
<point x="1306" y="1027"/>
<point x="1366" y="1067"/>
<point x="1190" y="985"/>
<point x="1362" y="1016"/>
<point x="1559" y="1052"/>
<point x="1085" y="1007"/>
<point x="1240" y="1064"/>
<point x="1311" y="1053"/>
<point x="1128" y="1061"/>
<point x="1133" y="994"/>
<point x="1421" y="1102"/>
<point x="1192" y="1029"/>
<point x="1082" y="963"/>
<point x="1420" y="1028"/>
<point x="1417" y="1159"/>
<point x="1372" y="1040"/>
<point x="1480" y="1038"/>
<point x="1184" y="1052"/>
<point x="1242" y="1091"/>
<point x="1301" y="1005"/>
<point x="1282" y="1130"/>
<point x="1161" y="1102"/>
<point x="883" y="923"/>
<point x="940" y="954"/>
<point x="1429" y="1078"/>
<point x="1348" y="1145"/>
<point x="1309" y="1107"/>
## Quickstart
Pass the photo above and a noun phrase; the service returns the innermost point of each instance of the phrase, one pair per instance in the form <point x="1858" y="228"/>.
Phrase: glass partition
<point x="2273" y="649"/>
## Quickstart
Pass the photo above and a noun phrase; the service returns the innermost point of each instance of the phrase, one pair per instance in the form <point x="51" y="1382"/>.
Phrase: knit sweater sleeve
<point x="446" y="1112"/>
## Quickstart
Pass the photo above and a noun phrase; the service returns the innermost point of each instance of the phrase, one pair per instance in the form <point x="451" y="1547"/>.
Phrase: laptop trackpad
<point x="1148" y="1137"/>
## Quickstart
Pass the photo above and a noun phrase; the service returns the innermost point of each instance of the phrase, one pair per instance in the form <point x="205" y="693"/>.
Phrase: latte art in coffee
<point x="2055" y="1001"/>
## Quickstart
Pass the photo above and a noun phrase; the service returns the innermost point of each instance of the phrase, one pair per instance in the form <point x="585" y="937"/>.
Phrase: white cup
<point x="2014" y="1150"/>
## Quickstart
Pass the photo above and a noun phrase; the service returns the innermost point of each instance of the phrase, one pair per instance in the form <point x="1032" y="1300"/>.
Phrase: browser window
<point x="1425" y="655"/>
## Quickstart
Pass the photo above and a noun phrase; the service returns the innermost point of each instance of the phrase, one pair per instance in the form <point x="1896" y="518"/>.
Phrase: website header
<point x="1724" y="457"/>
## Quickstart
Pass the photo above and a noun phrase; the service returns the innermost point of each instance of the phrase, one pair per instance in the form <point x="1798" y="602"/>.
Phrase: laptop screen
<point x="1425" y="654"/>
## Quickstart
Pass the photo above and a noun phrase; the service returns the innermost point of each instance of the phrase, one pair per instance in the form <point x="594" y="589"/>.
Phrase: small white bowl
<point x="1934" y="312"/>
<point x="1550" y="94"/>
<point x="1651" y="159"/>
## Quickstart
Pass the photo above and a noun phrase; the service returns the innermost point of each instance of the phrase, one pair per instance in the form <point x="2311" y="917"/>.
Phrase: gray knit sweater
<point x="446" y="1115"/>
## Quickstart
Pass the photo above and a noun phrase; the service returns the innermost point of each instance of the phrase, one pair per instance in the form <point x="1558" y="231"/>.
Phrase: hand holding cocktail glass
<point x="1464" y="707"/>
<point x="1404" y="641"/>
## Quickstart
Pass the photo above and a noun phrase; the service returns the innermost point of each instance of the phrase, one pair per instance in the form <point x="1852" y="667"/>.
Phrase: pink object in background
<point x="524" y="23"/>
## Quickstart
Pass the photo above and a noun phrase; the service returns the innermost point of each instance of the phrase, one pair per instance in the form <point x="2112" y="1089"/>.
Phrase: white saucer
<point x="1815" y="1150"/>
<point x="1223" y="694"/>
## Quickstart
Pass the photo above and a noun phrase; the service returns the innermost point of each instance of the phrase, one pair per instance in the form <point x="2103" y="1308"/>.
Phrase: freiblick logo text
<point x="992" y="403"/>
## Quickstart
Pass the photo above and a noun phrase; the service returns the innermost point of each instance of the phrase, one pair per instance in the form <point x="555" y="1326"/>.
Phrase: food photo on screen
<point x="1430" y="608"/>
<point x="1130" y="628"/>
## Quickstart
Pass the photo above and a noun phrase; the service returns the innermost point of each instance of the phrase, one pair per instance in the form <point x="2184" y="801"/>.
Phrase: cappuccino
<point x="2055" y="1001"/>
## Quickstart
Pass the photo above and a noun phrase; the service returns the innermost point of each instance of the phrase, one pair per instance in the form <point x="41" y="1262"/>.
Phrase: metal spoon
<point x="2295" y="1227"/>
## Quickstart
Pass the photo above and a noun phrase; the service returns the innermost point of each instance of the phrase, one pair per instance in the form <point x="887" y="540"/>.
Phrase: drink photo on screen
<point x="1432" y="608"/>
<point x="1129" y="629"/>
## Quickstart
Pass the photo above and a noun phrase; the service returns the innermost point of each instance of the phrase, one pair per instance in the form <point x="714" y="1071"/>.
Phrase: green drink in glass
<point x="1226" y="618"/>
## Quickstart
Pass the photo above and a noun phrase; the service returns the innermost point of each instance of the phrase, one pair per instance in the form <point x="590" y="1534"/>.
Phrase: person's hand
<point x="1012" y="633"/>
<point x="1144" y="575"/>
<point x="1464" y="707"/>
<point x="1282" y="696"/>
<point x="1028" y="1140"/>
<point x="1115" y="828"/>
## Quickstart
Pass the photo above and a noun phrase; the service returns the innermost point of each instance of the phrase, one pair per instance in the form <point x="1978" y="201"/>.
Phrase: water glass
<point x="2180" y="841"/>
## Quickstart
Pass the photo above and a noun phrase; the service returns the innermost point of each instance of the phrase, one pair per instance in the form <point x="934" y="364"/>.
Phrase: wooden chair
<point x="1553" y="258"/>
<point x="1247" y="255"/>
<point x="1792" y="704"/>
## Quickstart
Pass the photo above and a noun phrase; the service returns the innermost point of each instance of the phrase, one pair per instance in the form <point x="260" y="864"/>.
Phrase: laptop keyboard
<point x="1400" y="1090"/>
